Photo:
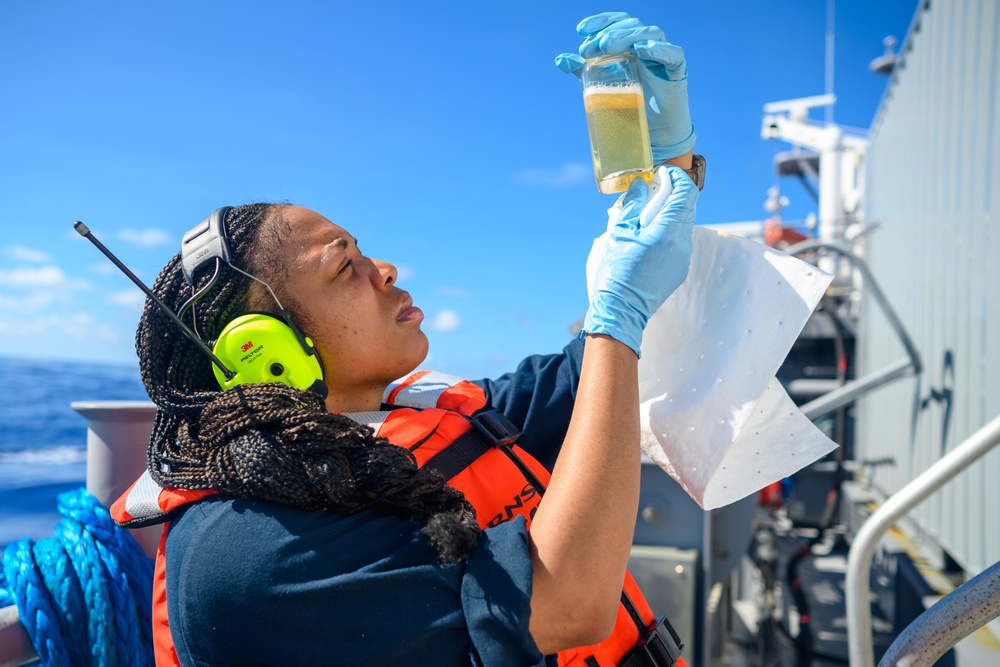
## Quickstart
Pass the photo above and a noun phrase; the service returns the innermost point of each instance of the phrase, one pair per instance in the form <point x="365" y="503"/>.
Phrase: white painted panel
<point x="934" y="183"/>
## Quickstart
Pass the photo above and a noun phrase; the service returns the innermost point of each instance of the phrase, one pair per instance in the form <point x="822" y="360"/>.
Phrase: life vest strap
<point x="659" y="647"/>
<point x="497" y="427"/>
<point x="634" y="614"/>
<point x="489" y="429"/>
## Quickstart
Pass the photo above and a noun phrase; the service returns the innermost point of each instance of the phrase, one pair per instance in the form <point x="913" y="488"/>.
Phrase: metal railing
<point x="967" y="608"/>
<point x="859" y="558"/>
<point x="953" y="618"/>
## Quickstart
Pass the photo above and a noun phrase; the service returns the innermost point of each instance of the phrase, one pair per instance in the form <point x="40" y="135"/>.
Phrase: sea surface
<point x="43" y="442"/>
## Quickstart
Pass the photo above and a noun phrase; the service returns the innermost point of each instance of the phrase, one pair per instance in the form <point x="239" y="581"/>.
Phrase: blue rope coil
<point x="85" y="594"/>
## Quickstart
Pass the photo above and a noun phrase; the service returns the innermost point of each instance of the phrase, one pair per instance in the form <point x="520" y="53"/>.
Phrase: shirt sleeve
<point x="250" y="582"/>
<point x="538" y="396"/>
<point x="496" y="596"/>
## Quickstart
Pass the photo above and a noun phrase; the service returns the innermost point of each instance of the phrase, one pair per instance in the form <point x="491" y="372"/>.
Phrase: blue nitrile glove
<point x="643" y="256"/>
<point x="661" y="68"/>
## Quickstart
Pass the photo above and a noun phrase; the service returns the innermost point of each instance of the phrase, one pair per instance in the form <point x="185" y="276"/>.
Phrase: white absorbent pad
<point x="713" y="415"/>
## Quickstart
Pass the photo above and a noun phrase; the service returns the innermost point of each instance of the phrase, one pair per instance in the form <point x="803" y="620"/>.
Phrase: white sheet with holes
<point x="713" y="415"/>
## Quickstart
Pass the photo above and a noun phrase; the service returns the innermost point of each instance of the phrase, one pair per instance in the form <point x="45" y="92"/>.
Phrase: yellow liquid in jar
<point x="619" y="135"/>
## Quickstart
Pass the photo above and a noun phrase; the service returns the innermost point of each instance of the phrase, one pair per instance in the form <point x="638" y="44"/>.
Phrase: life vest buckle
<point x="659" y="647"/>
<point x="496" y="427"/>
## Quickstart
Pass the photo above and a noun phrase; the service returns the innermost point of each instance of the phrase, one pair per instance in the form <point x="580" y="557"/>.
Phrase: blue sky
<point x="439" y="134"/>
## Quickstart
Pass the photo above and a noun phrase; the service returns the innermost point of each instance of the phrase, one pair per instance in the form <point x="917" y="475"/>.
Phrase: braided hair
<point x="269" y="441"/>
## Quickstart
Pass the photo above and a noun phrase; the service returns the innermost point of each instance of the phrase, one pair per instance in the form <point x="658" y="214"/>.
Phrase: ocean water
<point x="43" y="442"/>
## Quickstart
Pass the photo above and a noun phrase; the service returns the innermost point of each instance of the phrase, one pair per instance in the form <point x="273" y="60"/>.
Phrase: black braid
<point x="269" y="441"/>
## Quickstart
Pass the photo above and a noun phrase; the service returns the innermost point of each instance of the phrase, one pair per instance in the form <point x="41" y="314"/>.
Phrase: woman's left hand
<point x="662" y="69"/>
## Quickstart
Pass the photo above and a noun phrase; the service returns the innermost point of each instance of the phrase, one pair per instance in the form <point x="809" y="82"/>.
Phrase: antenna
<point x="84" y="231"/>
<point x="831" y="20"/>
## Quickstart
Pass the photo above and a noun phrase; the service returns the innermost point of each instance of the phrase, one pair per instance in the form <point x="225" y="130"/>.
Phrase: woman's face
<point x="366" y="329"/>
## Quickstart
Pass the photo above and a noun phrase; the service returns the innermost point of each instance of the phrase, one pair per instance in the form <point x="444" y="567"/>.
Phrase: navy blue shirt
<point x="255" y="583"/>
<point x="538" y="396"/>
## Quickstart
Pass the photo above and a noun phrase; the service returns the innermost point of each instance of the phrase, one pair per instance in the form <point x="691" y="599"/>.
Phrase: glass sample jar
<point x="616" y="121"/>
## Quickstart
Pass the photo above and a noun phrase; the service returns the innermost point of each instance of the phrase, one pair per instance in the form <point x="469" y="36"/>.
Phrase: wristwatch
<point x="697" y="171"/>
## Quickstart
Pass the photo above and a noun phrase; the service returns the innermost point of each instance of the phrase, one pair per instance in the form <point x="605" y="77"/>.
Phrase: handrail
<point x="859" y="558"/>
<point x="860" y="386"/>
<point x="952" y="618"/>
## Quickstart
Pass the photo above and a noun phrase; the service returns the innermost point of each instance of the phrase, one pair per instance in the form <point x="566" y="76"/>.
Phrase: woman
<point x="298" y="537"/>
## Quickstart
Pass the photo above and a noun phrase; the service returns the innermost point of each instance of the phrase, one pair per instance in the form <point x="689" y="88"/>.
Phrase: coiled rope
<point x="85" y="594"/>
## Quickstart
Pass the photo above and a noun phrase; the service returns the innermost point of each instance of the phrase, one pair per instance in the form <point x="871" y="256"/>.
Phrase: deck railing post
<point x="117" y="438"/>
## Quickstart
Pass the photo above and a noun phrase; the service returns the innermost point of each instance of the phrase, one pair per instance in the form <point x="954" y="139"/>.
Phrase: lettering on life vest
<point x="526" y="495"/>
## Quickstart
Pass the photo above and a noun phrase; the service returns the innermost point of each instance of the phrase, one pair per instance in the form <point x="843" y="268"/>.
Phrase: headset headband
<point x="207" y="241"/>
<point x="203" y="242"/>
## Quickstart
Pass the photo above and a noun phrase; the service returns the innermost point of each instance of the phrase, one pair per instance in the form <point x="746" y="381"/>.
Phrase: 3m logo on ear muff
<point x="262" y="348"/>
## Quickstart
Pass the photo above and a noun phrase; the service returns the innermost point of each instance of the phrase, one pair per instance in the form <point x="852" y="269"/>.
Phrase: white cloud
<point x="28" y="254"/>
<point x="566" y="175"/>
<point x="45" y="276"/>
<point x="446" y="320"/>
<point x="404" y="272"/>
<point x="74" y="327"/>
<point x="132" y="299"/>
<point x="453" y="291"/>
<point x="104" y="268"/>
<point x="147" y="238"/>
<point x="29" y="304"/>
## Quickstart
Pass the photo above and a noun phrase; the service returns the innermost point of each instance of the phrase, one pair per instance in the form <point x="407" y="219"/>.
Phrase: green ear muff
<point x="261" y="348"/>
<point x="253" y="348"/>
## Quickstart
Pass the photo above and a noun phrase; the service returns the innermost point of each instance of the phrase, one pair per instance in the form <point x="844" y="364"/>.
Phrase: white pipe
<point x="831" y="205"/>
<point x="859" y="558"/>
<point x="851" y="391"/>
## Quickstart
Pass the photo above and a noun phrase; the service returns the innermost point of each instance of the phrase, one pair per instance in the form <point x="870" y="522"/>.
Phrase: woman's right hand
<point x="642" y="257"/>
<point x="582" y="531"/>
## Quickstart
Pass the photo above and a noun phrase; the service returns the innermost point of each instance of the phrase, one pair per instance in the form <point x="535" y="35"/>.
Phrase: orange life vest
<point x="502" y="481"/>
<point x="441" y="420"/>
